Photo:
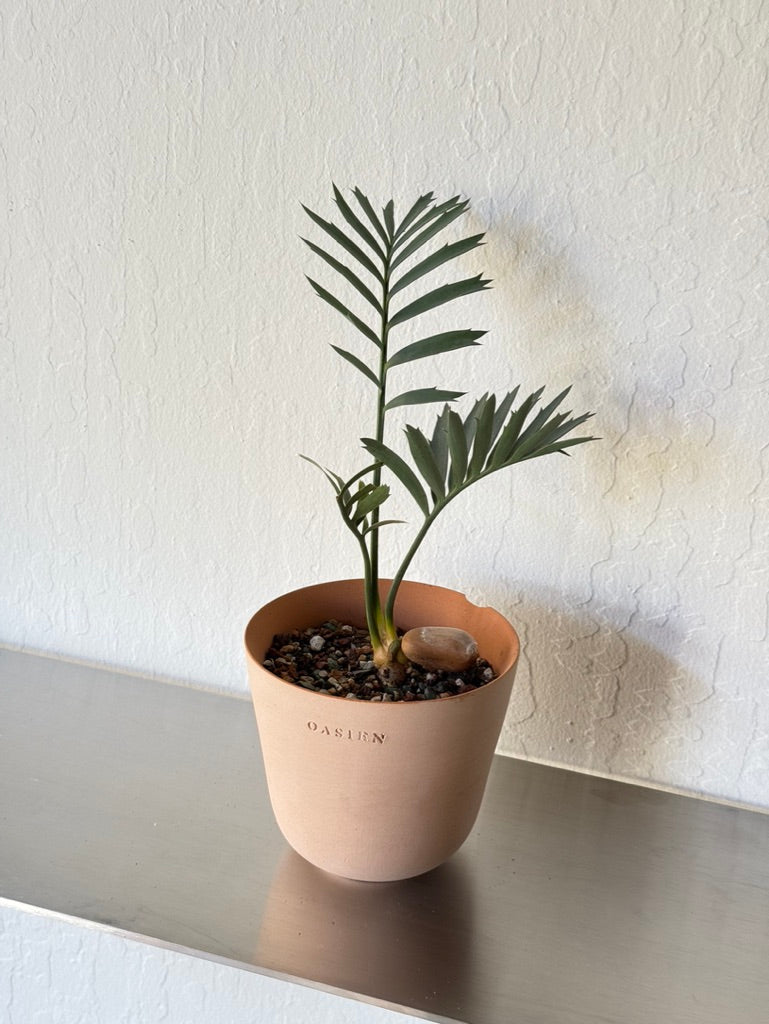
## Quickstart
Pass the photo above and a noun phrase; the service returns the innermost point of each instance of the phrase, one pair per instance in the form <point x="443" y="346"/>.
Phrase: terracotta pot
<point x="377" y="791"/>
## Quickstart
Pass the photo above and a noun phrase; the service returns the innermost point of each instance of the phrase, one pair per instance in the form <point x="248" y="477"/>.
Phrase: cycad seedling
<point x="385" y="261"/>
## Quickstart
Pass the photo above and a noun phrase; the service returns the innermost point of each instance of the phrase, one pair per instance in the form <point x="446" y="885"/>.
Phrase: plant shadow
<point x="591" y="693"/>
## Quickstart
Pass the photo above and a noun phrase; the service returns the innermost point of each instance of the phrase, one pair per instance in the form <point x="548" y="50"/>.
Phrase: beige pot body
<point x="377" y="791"/>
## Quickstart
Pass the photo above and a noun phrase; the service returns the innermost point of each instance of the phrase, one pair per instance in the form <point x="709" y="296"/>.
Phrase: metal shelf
<point x="141" y="807"/>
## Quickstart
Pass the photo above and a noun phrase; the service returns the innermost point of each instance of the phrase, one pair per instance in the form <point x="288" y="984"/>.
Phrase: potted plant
<point x="379" y="702"/>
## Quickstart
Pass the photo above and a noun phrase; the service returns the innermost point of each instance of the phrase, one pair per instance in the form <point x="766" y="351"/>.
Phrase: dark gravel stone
<point x="341" y="666"/>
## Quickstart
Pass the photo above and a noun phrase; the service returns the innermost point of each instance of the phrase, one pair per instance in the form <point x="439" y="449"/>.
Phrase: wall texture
<point x="55" y="972"/>
<point x="162" y="361"/>
<point x="163" y="358"/>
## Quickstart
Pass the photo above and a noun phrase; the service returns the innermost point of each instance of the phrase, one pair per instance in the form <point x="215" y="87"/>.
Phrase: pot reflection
<point x="407" y="942"/>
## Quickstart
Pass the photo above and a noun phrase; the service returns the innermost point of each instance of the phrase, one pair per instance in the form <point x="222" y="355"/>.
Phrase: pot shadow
<point x="407" y="942"/>
<point x="591" y="693"/>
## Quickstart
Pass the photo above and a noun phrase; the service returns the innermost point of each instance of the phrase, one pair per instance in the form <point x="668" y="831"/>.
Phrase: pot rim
<point x="510" y="663"/>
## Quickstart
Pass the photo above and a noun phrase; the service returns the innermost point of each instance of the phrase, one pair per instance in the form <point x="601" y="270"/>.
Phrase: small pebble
<point x="441" y="648"/>
<point x="336" y="660"/>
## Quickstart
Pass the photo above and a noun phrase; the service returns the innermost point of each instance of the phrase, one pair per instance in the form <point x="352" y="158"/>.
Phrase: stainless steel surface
<point x="142" y="806"/>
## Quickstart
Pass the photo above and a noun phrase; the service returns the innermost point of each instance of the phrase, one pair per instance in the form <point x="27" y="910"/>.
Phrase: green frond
<point x="437" y="259"/>
<point x="357" y="224"/>
<point x="336" y="481"/>
<point x="439" y="442"/>
<point x="457" y="452"/>
<point x="423" y="396"/>
<point x="438" y="297"/>
<point x="368" y="209"/>
<point x="348" y="314"/>
<point x="347" y="274"/>
<point x="399" y="468"/>
<point x="416" y="210"/>
<point x="435" y="219"/>
<point x="346" y="243"/>
<point x="435" y="345"/>
<point x="358" y="364"/>
<point x="425" y="462"/>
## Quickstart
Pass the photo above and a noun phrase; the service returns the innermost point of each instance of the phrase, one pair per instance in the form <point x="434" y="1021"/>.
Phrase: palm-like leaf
<point x="439" y="442"/>
<point x="482" y="438"/>
<point x="423" y="396"/>
<point x="363" y="501"/>
<point x="357" y="224"/>
<point x="336" y="481"/>
<point x="491" y="442"/>
<point x="512" y="429"/>
<point x="425" y="461"/>
<point x="368" y="209"/>
<point x="377" y="524"/>
<point x="346" y="243"/>
<point x="416" y="211"/>
<point x="427" y="227"/>
<point x="438" y="297"/>
<point x="502" y="412"/>
<point x="435" y="345"/>
<point x="348" y="314"/>
<point x="347" y="274"/>
<point x="358" y="364"/>
<point x="388" y="246"/>
<point x="458" y="452"/>
<point x="399" y="468"/>
<point x="388" y="215"/>
<point x="437" y="259"/>
<point x="471" y="421"/>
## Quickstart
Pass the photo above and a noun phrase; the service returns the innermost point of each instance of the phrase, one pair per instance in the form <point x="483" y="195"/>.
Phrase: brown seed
<point x="440" y="648"/>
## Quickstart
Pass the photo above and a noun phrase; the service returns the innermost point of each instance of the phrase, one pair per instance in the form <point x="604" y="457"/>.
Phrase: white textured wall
<point x="54" y="972"/>
<point x="163" y="359"/>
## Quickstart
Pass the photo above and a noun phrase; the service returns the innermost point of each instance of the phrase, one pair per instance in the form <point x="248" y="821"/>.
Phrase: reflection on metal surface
<point x="405" y="939"/>
<point x="142" y="806"/>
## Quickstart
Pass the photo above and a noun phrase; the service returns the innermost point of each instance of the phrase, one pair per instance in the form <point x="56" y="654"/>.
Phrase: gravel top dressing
<point x="335" y="658"/>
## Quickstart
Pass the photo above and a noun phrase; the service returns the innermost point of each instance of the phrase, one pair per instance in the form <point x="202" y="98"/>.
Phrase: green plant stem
<point x="372" y="577"/>
<point x="371" y="594"/>
<point x="392" y="593"/>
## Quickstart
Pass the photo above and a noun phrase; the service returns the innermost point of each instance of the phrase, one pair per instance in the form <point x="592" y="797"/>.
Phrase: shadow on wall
<point x="557" y="332"/>
<point x="626" y="356"/>
<point x="604" y="687"/>
<point x="590" y="693"/>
